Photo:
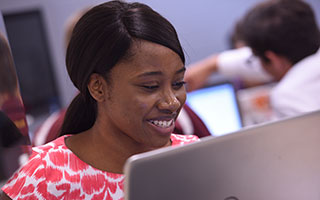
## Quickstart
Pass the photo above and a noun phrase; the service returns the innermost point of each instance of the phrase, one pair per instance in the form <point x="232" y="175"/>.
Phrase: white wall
<point x="202" y="25"/>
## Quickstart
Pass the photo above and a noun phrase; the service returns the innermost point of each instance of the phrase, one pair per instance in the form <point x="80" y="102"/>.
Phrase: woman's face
<point x="145" y="96"/>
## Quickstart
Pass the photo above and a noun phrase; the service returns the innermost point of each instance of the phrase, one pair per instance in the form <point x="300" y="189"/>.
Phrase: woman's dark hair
<point x="286" y="27"/>
<point x="102" y="37"/>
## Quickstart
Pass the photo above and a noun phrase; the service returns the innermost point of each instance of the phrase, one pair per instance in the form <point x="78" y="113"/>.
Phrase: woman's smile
<point x="162" y="126"/>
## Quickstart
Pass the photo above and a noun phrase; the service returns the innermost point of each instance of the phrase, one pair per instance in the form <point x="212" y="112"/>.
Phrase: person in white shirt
<point x="283" y="35"/>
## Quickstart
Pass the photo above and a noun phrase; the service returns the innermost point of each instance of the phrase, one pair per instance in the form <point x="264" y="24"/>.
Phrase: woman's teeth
<point x="162" y="124"/>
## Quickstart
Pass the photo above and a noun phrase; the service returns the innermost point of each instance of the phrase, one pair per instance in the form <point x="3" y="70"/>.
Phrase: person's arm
<point x="243" y="64"/>
<point x="236" y="63"/>
<point x="198" y="73"/>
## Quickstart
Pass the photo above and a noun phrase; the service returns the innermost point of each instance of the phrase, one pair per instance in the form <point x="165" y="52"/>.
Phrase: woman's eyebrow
<point x="151" y="73"/>
<point x="157" y="73"/>
<point x="183" y="69"/>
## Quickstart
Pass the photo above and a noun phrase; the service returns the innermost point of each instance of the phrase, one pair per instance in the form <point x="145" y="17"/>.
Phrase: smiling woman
<point x="143" y="98"/>
<point x="128" y="64"/>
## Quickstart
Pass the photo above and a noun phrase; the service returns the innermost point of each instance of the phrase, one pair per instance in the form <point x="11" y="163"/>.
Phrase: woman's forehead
<point x="148" y="56"/>
<point x="151" y="59"/>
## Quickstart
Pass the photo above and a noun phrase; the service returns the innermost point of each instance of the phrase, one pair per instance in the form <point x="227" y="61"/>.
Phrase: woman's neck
<point x="104" y="150"/>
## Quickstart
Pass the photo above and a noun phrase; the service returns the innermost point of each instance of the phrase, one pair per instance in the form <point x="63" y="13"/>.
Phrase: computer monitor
<point x="26" y="32"/>
<point x="277" y="160"/>
<point x="218" y="108"/>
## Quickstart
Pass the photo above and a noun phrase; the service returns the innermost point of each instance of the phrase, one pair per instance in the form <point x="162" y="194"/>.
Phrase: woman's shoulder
<point x="48" y="147"/>
<point x="53" y="170"/>
<point x="178" y="139"/>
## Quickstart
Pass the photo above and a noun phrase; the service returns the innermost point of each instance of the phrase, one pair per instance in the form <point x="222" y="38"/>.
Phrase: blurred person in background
<point x="14" y="137"/>
<point x="284" y="36"/>
<point x="238" y="65"/>
<point x="10" y="99"/>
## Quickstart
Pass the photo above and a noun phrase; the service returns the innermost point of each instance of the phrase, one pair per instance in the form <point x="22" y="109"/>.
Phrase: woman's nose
<point x="169" y="102"/>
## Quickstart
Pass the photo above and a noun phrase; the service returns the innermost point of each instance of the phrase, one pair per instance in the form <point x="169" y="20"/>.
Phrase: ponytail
<point x="80" y="115"/>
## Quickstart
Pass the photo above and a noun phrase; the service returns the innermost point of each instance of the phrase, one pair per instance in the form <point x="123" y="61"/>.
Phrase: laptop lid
<point x="278" y="160"/>
<point x="218" y="108"/>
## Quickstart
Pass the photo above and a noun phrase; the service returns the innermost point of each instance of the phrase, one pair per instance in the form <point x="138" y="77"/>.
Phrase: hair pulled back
<point x="102" y="37"/>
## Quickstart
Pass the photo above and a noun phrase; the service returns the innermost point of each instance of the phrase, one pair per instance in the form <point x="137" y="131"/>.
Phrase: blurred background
<point x="36" y="33"/>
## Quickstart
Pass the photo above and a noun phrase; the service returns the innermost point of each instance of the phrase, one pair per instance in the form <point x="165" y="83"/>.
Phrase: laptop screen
<point x="217" y="107"/>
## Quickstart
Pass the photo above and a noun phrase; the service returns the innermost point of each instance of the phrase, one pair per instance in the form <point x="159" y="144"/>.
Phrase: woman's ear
<point x="96" y="87"/>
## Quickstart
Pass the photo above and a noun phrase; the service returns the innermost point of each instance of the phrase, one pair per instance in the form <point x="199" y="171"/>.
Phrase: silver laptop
<point x="218" y="108"/>
<point x="273" y="161"/>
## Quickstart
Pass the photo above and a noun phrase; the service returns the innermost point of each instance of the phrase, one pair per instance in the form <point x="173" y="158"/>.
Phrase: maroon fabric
<point x="54" y="130"/>
<point x="199" y="127"/>
<point x="14" y="109"/>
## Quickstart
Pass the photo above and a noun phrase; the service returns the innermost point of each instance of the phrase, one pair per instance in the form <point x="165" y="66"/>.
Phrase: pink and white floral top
<point x="55" y="172"/>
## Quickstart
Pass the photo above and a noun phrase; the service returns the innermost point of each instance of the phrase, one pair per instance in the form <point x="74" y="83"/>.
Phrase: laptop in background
<point x="277" y="160"/>
<point x="218" y="108"/>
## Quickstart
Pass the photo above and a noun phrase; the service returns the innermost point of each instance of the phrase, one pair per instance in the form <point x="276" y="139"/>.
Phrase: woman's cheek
<point x="182" y="96"/>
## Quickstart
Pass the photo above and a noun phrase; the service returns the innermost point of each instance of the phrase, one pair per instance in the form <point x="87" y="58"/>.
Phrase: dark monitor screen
<point x="28" y="41"/>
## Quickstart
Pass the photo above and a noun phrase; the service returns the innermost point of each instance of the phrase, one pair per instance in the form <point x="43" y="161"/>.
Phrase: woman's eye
<point x="150" y="87"/>
<point x="178" y="85"/>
